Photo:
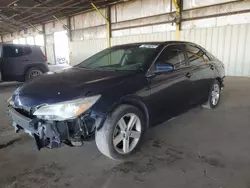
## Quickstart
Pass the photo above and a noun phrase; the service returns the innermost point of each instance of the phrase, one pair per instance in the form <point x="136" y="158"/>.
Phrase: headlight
<point x="9" y="100"/>
<point x="66" y="110"/>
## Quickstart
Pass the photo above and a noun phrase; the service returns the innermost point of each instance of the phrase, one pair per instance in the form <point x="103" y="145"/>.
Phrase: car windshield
<point x="124" y="58"/>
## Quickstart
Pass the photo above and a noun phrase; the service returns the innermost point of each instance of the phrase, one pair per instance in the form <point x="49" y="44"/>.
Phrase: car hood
<point x="65" y="85"/>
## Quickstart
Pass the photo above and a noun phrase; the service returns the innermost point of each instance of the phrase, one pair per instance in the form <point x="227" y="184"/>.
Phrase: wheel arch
<point x="37" y="66"/>
<point x="136" y="102"/>
<point x="33" y="66"/>
<point x="220" y="81"/>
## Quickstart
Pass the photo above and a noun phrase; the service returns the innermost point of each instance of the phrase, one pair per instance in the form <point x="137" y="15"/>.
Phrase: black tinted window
<point x="124" y="58"/>
<point x="112" y="58"/>
<point x="26" y="50"/>
<point x="172" y="55"/>
<point x="12" y="51"/>
<point x="195" y="55"/>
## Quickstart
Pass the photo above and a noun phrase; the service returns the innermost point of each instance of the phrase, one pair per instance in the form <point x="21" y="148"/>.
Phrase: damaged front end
<point x="53" y="133"/>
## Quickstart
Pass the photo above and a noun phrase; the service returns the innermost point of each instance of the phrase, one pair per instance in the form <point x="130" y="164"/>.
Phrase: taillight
<point x="45" y="58"/>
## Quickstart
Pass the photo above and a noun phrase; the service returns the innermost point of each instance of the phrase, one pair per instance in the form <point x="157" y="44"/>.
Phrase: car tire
<point x="214" y="96"/>
<point x="117" y="140"/>
<point x="32" y="73"/>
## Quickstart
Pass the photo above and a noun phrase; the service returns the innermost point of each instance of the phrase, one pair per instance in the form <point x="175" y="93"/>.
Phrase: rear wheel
<point x="214" y="96"/>
<point x="121" y="133"/>
<point x="32" y="73"/>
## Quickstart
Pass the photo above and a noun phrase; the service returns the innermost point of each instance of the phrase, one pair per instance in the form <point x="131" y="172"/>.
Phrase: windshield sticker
<point x="148" y="46"/>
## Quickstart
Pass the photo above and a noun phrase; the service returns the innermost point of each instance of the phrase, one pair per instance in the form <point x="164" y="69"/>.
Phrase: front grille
<point x="24" y="113"/>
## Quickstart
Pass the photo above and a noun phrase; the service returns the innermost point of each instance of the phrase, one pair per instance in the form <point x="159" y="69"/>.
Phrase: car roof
<point x="154" y="43"/>
<point x="21" y="45"/>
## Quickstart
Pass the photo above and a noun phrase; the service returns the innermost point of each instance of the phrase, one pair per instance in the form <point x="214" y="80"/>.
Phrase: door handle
<point x="189" y="75"/>
<point x="212" y="67"/>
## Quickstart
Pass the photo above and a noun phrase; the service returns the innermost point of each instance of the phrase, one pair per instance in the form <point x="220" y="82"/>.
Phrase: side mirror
<point x="166" y="67"/>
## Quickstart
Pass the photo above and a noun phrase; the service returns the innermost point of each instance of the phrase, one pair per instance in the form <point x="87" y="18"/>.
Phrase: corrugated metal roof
<point x="16" y="15"/>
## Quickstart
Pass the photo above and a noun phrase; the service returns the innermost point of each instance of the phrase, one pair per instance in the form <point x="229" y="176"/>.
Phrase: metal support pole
<point x="70" y="29"/>
<point x="109" y="18"/>
<point x="181" y="11"/>
<point x="107" y="22"/>
<point x="178" y="11"/>
<point x="70" y="38"/>
<point x="44" y="40"/>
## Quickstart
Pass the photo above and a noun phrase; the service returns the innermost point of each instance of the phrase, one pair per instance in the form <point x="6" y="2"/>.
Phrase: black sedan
<point x="116" y="95"/>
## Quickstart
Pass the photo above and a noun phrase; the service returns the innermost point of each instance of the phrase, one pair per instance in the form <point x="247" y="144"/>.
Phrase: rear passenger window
<point x="195" y="55"/>
<point x="12" y="51"/>
<point x="26" y="50"/>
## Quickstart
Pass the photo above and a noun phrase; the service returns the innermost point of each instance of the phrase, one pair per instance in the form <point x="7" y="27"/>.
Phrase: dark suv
<point x="21" y="62"/>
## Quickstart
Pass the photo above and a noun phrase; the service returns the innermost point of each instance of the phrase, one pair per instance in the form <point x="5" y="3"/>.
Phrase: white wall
<point x="23" y="34"/>
<point x="81" y="50"/>
<point x="230" y="44"/>
<point x="188" y="4"/>
<point x="50" y="49"/>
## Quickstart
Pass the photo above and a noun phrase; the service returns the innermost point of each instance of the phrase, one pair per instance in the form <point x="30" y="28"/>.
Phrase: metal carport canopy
<point x="21" y="14"/>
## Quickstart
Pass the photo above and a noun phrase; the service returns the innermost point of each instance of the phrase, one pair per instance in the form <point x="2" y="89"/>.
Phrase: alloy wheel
<point x="127" y="133"/>
<point x="34" y="73"/>
<point x="215" y="94"/>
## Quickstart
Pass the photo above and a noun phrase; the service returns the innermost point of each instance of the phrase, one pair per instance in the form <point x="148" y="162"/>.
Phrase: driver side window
<point x="172" y="55"/>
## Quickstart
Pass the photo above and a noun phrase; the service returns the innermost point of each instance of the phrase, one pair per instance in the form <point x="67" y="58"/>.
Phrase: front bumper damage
<point x="52" y="134"/>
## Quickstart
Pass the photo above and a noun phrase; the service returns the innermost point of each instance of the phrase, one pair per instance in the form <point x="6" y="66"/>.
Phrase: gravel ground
<point x="201" y="148"/>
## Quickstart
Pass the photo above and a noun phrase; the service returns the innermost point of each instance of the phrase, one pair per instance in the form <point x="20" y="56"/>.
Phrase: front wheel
<point x="214" y="96"/>
<point x="121" y="133"/>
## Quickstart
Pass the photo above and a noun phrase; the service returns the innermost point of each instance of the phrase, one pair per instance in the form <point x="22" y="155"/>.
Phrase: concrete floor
<point x="201" y="148"/>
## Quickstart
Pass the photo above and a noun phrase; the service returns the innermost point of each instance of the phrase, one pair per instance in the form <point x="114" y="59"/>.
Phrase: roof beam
<point x="42" y="7"/>
<point x="12" y="3"/>
<point x="7" y="29"/>
<point x="13" y="24"/>
<point x="10" y="22"/>
<point x="22" y="17"/>
<point x="60" y="7"/>
<point x="45" y="13"/>
<point x="88" y="6"/>
<point x="55" y="11"/>
<point x="27" y="10"/>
